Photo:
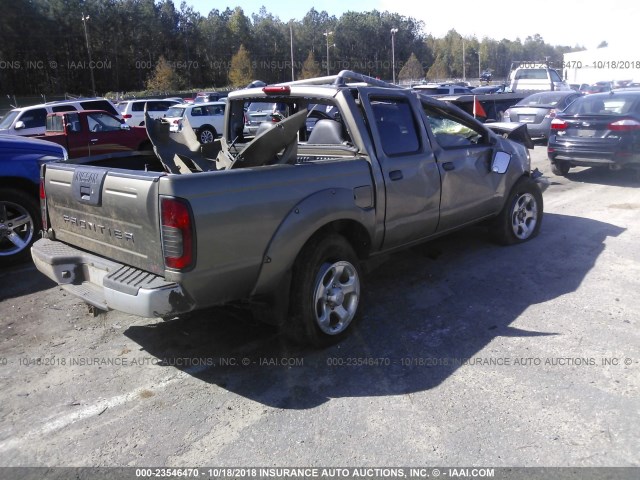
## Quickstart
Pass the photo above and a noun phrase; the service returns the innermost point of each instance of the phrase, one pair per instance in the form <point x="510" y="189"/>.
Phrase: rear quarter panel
<point x="239" y="212"/>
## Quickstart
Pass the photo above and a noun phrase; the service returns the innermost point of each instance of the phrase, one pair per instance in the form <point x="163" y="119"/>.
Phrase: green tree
<point x="412" y="70"/>
<point x="310" y="68"/>
<point x="241" y="72"/>
<point x="164" y="79"/>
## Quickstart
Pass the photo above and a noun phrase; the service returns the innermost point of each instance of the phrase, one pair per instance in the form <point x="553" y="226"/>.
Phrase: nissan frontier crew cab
<point x="286" y="217"/>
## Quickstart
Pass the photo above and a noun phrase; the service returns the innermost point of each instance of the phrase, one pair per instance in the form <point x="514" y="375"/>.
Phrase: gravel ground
<point x="467" y="354"/>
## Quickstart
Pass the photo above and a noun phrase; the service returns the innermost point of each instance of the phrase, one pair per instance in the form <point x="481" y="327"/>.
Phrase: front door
<point x="464" y="152"/>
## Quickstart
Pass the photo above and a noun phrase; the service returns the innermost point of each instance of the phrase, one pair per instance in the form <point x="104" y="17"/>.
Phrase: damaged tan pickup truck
<point x="353" y="167"/>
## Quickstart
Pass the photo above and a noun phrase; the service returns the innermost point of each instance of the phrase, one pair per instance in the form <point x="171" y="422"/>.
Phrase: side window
<point x="451" y="132"/>
<point x="99" y="105"/>
<point x="161" y="106"/>
<point x="554" y="76"/>
<point x="396" y="126"/>
<point x="100" y="122"/>
<point x="196" y="112"/>
<point x="34" y="118"/>
<point x="64" y="108"/>
<point x="74" y="122"/>
<point x="137" y="106"/>
<point x="55" y="123"/>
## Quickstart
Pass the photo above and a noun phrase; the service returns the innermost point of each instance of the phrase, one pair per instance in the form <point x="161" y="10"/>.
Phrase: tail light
<point x="246" y="119"/>
<point x="274" y="89"/>
<point x="558" y="124"/>
<point x="552" y="113"/>
<point x="624" y="125"/>
<point x="178" y="240"/>
<point x="176" y="122"/>
<point x="125" y="116"/>
<point x="43" y="204"/>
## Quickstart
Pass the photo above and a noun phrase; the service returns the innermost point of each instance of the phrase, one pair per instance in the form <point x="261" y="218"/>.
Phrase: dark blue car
<point x="20" y="161"/>
<point x="602" y="129"/>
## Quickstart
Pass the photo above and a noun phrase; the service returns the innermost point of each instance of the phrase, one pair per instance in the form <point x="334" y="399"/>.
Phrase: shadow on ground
<point x="445" y="300"/>
<point x="22" y="279"/>
<point x="627" y="177"/>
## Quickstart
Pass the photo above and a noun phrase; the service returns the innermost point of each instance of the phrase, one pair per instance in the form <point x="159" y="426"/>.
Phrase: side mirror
<point x="500" y="162"/>
<point x="124" y="126"/>
<point x="19" y="125"/>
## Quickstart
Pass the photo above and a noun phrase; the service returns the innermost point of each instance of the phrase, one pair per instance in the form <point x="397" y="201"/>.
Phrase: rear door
<point x="412" y="181"/>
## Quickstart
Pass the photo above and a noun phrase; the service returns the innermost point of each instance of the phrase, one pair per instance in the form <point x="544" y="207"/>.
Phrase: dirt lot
<point x="467" y="354"/>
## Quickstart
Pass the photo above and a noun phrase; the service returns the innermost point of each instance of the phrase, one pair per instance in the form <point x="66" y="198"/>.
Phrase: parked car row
<point x="32" y="120"/>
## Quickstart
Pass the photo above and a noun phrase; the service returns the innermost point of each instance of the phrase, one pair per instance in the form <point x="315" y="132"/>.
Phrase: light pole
<point x="326" y="34"/>
<point x="86" y="37"/>
<point x="393" y="53"/>
<point x="479" y="70"/>
<point x="291" y="35"/>
<point x="464" y="72"/>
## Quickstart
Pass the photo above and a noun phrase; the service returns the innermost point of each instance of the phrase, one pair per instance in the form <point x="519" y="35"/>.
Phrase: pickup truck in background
<point x="286" y="217"/>
<point x="92" y="132"/>
<point x="20" y="161"/>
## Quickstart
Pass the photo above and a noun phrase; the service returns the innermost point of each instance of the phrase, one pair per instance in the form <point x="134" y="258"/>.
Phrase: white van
<point x="29" y="121"/>
<point x="536" y="78"/>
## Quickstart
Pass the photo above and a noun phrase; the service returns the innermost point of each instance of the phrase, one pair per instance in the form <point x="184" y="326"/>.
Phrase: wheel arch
<point x="207" y="126"/>
<point x="19" y="183"/>
<point x="328" y="211"/>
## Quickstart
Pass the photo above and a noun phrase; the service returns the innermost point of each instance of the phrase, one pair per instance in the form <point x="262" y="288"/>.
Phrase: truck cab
<point x="93" y="132"/>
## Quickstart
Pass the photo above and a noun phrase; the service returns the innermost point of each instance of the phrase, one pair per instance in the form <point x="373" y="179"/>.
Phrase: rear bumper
<point x="109" y="285"/>
<point x="594" y="154"/>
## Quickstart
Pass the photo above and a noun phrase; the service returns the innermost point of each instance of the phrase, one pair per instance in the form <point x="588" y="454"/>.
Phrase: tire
<point x="521" y="217"/>
<point x="325" y="293"/>
<point x="206" y="135"/>
<point x="560" y="168"/>
<point x="19" y="225"/>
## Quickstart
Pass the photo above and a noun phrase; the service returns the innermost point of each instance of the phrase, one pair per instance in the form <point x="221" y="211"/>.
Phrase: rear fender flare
<point x="303" y="221"/>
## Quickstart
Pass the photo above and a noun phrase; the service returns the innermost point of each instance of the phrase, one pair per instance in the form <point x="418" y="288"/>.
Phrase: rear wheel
<point x="326" y="291"/>
<point x="560" y="167"/>
<point x="19" y="225"/>
<point x="521" y="215"/>
<point x="206" y="135"/>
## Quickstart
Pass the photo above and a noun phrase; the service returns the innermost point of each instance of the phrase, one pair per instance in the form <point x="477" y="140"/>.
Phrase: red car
<point x="92" y="132"/>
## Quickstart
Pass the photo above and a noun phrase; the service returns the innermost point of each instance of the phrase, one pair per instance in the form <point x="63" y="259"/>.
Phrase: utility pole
<point x="393" y="53"/>
<point x="291" y="36"/>
<point x="464" y="73"/>
<point x="326" y="34"/>
<point x="86" y="38"/>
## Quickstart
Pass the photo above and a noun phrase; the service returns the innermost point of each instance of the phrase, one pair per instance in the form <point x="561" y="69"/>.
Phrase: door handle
<point x="396" y="175"/>
<point x="448" y="166"/>
<point x="94" y="140"/>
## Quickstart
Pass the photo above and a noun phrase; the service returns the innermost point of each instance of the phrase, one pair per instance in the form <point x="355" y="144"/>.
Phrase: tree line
<point x="74" y="46"/>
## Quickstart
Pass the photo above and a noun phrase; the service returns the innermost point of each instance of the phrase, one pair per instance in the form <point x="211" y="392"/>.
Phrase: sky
<point x="585" y="23"/>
